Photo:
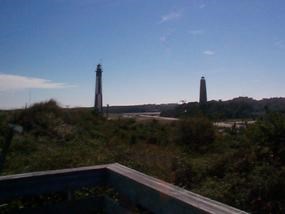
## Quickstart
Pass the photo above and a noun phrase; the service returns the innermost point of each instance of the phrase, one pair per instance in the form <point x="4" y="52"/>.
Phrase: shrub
<point x="269" y="133"/>
<point x="41" y="115"/>
<point x="196" y="133"/>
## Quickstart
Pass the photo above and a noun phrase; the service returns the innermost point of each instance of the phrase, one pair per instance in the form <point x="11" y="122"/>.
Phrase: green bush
<point x="196" y="133"/>
<point x="39" y="116"/>
<point x="269" y="134"/>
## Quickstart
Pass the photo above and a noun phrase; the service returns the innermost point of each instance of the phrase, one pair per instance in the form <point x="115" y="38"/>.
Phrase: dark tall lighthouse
<point x="98" y="90"/>
<point x="203" y="91"/>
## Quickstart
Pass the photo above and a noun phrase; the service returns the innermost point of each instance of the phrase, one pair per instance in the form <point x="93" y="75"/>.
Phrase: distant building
<point x="98" y="105"/>
<point x="203" y="91"/>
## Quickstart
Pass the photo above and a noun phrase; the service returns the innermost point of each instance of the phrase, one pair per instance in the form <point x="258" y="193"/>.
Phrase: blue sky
<point x="153" y="51"/>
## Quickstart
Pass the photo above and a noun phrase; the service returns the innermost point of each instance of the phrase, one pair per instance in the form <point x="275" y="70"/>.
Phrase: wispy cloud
<point x="209" y="52"/>
<point x="163" y="39"/>
<point x="279" y="44"/>
<point x="196" y="32"/>
<point x="16" y="82"/>
<point x="170" y="16"/>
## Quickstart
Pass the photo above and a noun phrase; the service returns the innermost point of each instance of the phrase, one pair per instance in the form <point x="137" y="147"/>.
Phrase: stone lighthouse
<point x="98" y="90"/>
<point x="203" y="91"/>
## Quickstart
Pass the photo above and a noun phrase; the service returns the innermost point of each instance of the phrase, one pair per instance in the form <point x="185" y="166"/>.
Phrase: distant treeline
<point x="241" y="107"/>
<point x="141" y="108"/>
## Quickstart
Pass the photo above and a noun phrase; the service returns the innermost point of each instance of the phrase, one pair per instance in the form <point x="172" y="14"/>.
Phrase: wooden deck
<point x="150" y="194"/>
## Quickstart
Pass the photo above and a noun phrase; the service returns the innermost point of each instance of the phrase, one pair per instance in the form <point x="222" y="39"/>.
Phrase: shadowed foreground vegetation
<point x="242" y="168"/>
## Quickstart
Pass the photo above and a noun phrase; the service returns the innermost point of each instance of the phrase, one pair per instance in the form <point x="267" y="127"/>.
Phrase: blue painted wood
<point x="37" y="183"/>
<point x="137" y="188"/>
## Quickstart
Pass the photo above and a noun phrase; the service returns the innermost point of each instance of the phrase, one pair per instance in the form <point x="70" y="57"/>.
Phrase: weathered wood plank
<point x="159" y="196"/>
<point x="50" y="181"/>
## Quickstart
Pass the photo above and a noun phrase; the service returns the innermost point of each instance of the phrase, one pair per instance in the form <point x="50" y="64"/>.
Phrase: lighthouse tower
<point x="203" y="91"/>
<point x="98" y="105"/>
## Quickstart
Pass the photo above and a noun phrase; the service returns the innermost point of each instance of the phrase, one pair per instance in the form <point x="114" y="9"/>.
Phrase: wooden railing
<point x="134" y="189"/>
